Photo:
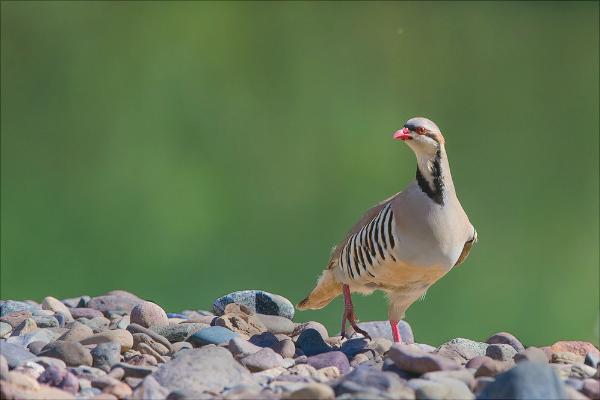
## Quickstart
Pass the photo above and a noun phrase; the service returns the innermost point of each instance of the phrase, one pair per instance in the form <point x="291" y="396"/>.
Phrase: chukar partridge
<point x="404" y="244"/>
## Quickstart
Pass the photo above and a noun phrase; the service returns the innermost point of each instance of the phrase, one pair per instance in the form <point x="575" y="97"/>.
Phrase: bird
<point x="404" y="244"/>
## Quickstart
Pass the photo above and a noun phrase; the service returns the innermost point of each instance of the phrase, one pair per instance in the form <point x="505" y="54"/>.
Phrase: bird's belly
<point x="401" y="276"/>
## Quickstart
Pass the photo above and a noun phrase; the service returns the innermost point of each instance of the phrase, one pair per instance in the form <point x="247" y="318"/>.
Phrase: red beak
<point x="403" y="134"/>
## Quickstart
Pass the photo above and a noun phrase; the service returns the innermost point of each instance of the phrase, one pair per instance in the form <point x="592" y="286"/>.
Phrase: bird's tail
<point x="327" y="289"/>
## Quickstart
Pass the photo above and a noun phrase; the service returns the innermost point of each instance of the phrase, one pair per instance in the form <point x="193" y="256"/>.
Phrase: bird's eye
<point x="420" y="130"/>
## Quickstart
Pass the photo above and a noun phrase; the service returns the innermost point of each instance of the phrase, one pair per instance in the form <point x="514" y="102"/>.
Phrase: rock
<point x="135" y="328"/>
<point x="36" y="347"/>
<point x="15" y="318"/>
<point x="490" y="367"/>
<point x="150" y="389"/>
<point x="84" y="372"/>
<point x="527" y="380"/>
<point x="97" y="324"/>
<point x="591" y="359"/>
<point x="148" y="314"/>
<point x="276" y="324"/>
<point x="573" y="346"/>
<point x="72" y="353"/>
<point x="60" y="378"/>
<point x="258" y="301"/>
<point x="445" y="389"/>
<point x="178" y="332"/>
<point x="414" y="360"/>
<point x="22" y="381"/>
<point x="5" y="329"/>
<point x="500" y="352"/>
<point x="142" y="338"/>
<point x="316" y="391"/>
<point x="11" y="306"/>
<point x="263" y="359"/>
<point x="3" y="367"/>
<point x="114" y="303"/>
<point x="462" y="350"/>
<point x="88" y="313"/>
<point x="572" y="394"/>
<point x="215" y="365"/>
<point x="15" y="355"/>
<point x="140" y="360"/>
<point x="25" y="327"/>
<point x="328" y="359"/>
<point x="382" y="329"/>
<point x="462" y="375"/>
<point x="311" y="342"/>
<point x="121" y="336"/>
<point x="581" y="371"/>
<point x="566" y="357"/>
<point x="50" y="362"/>
<point x="319" y="327"/>
<point x="354" y="346"/>
<point x="74" y="302"/>
<point x="285" y="348"/>
<point x="53" y="304"/>
<point x="531" y="354"/>
<point x="45" y="335"/>
<point x="135" y="371"/>
<point x="212" y="335"/>
<point x="245" y="325"/>
<point x="380" y="345"/>
<point x="242" y="348"/>
<point x="591" y="388"/>
<point x="46" y="321"/>
<point x="506" y="338"/>
<point x="77" y="333"/>
<point x="105" y="355"/>
<point x="181" y="346"/>
<point x="265" y="339"/>
<point x="481" y="382"/>
<point x="369" y="380"/>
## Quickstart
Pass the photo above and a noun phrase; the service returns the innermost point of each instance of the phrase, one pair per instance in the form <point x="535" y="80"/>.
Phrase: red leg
<point x="395" y="331"/>
<point x="349" y="314"/>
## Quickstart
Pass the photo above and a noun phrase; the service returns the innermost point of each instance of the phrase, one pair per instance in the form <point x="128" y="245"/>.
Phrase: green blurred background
<point x="185" y="150"/>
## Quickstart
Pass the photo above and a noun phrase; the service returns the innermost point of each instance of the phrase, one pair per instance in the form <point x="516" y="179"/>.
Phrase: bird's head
<point x="421" y="134"/>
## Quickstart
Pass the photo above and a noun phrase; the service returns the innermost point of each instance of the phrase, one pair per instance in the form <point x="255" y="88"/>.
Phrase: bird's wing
<point x="467" y="249"/>
<point x="367" y="218"/>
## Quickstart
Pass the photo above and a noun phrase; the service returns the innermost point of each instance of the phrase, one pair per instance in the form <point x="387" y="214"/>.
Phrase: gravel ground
<point x="118" y="346"/>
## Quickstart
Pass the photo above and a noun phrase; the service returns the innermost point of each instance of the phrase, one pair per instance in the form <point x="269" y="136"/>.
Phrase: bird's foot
<point x="349" y="315"/>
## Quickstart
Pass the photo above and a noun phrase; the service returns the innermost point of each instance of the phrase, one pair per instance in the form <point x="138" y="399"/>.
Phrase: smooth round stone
<point x="463" y="375"/>
<point x="15" y="318"/>
<point x="285" y="348"/>
<point x="311" y="343"/>
<point x="263" y="359"/>
<point x="462" y="350"/>
<point x="319" y="327"/>
<point x="242" y="348"/>
<point x="44" y="321"/>
<point x="121" y="336"/>
<point x="11" y="306"/>
<point x="96" y="324"/>
<point x="72" y="353"/>
<point x="5" y="329"/>
<point x="135" y="328"/>
<point x="574" y="346"/>
<point x="149" y="388"/>
<point x="177" y="315"/>
<point x="36" y="347"/>
<point x="53" y="304"/>
<point x="140" y="339"/>
<point x="258" y="301"/>
<point x="315" y="391"/>
<point x="77" y="332"/>
<point x="15" y="355"/>
<point x="506" y="338"/>
<point x="178" y="332"/>
<point x="74" y="302"/>
<point x="40" y="335"/>
<point x="566" y="357"/>
<point x="181" y="346"/>
<point x="88" y="313"/>
<point x="212" y="335"/>
<point x="500" y="352"/>
<point x="370" y="380"/>
<point x="531" y="354"/>
<point x="25" y="327"/>
<point x="120" y="303"/>
<point x="330" y="359"/>
<point x="491" y="367"/>
<point x="61" y="378"/>
<point x="149" y="314"/>
<point x="591" y="388"/>
<point x="352" y="347"/>
<point x="105" y="355"/>
<point x="410" y="358"/>
<point x="591" y="359"/>
<point x="384" y="330"/>
<point x="276" y="324"/>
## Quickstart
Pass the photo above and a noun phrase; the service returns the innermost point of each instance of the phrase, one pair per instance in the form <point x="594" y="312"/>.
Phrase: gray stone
<point x="410" y="358"/>
<point x="72" y="353"/>
<point x="11" y="306"/>
<point x="135" y="328"/>
<point x="591" y="359"/>
<point x="364" y="379"/>
<point x="215" y="365"/>
<point x="74" y="302"/>
<point x="212" y="335"/>
<point x="258" y="301"/>
<point x="3" y="368"/>
<point x="15" y="355"/>
<point x="178" y="332"/>
<point x="285" y="348"/>
<point x="150" y="389"/>
<point x="46" y="321"/>
<point x="105" y="355"/>
<point x="242" y="348"/>
<point x="442" y="389"/>
<point x="330" y="359"/>
<point x="531" y="354"/>
<point x="149" y="314"/>
<point x="462" y="350"/>
<point x="500" y="352"/>
<point x="263" y="359"/>
<point x="315" y="391"/>
<point x="88" y="313"/>
<point x="113" y="304"/>
<point x="134" y="371"/>
<point x="382" y="329"/>
<point x="36" y="347"/>
<point x="5" y="329"/>
<point x="506" y="338"/>
<point x="46" y="335"/>
<point x="319" y="327"/>
<point x="276" y="324"/>
<point x="463" y="375"/>
<point x="527" y="381"/>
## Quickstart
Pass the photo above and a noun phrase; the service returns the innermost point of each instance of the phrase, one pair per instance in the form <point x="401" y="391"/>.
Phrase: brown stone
<point x="574" y="346"/>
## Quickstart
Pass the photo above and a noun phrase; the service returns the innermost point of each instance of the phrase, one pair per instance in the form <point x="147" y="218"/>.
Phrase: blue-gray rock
<point x="46" y="321"/>
<point x="105" y="355"/>
<point x="383" y="329"/>
<point x="257" y="300"/>
<point x="311" y="343"/>
<point x="367" y="379"/>
<point x="60" y="378"/>
<point x="10" y="306"/>
<point x="135" y="371"/>
<point x="353" y="347"/>
<point x="330" y="359"/>
<point x="462" y="350"/>
<point x="208" y="369"/>
<point x="61" y="319"/>
<point x="15" y="355"/>
<point x="526" y="381"/>
<point x="178" y="332"/>
<point x="592" y="359"/>
<point x="265" y="339"/>
<point x="176" y="315"/>
<point x="506" y="338"/>
<point x="212" y="335"/>
<point x="41" y="335"/>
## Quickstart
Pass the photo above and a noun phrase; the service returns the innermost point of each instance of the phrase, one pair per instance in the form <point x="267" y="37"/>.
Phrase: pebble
<point x="330" y="359"/>
<point x="178" y="332"/>
<point x="311" y="342"/>
<point x="276" y="324"/>
<point x="88" y="313"/>
<point x="77" y="332"/>
<point x="462" y="350"/>
<point x="285" y="348"/>
<point x="181" y="346"/>
<point x="462" y="375"/>
<point x="582" y="371"/>
<point x="319" y="327"/>
<point x="491" y="367"/>
<point x="36" y="347"/>
<point x="506" y="338"/>
<point x="265" y="339"/>
<point x="531" y="354"/>
<point x="527" y="380"/>
<point x="212" y="335"/>
<point x="591" y="388"/>
<point x="135" y="328"/>
<point x="566" y="357"/>
<point x="26" y="326"/>
<point x="215" y="365"/>
<point x="573" y="346"/>
<point x="53" y="304"/>
<point x="105" y="355"/>
<point x="382" y="329"/>
<point x="3" y="367"/>
<point x="15" y="318"/>
<point x="97" y="324"/>
<point x="242" y="348"/>
<point x="371" y="380"/>
<point x="481" y="382"/>
<point x="148" y="314"/>
<point x="134" y="371"/>
<point x="5" y="329"/>
<point x="315" y="391"/>
<point x="11" y="306"/>
<point x="122" y="304"/>
<point x="410" y="358"/>
<point x="258" y="301"/>
<point x="50" y="361"/>
<point x="72" y="353"/>
<point x="244" y="324"/>
<point x="74" y="302"/>
<point x="262" y="360"/>
<point x="15" y="354"/>
<point x="445" y="389"/>
<point x="592" y="359"/>
<point x="60" y="378"/>
<point x="353" y="347"/>
<point x="500" y="352"/>
<point x="46" y="321"/>
<point x="149" y="389"/>
<point x="121" y="336"/>
<point x="142" y="338"/>
<point x="45" y="335"/>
